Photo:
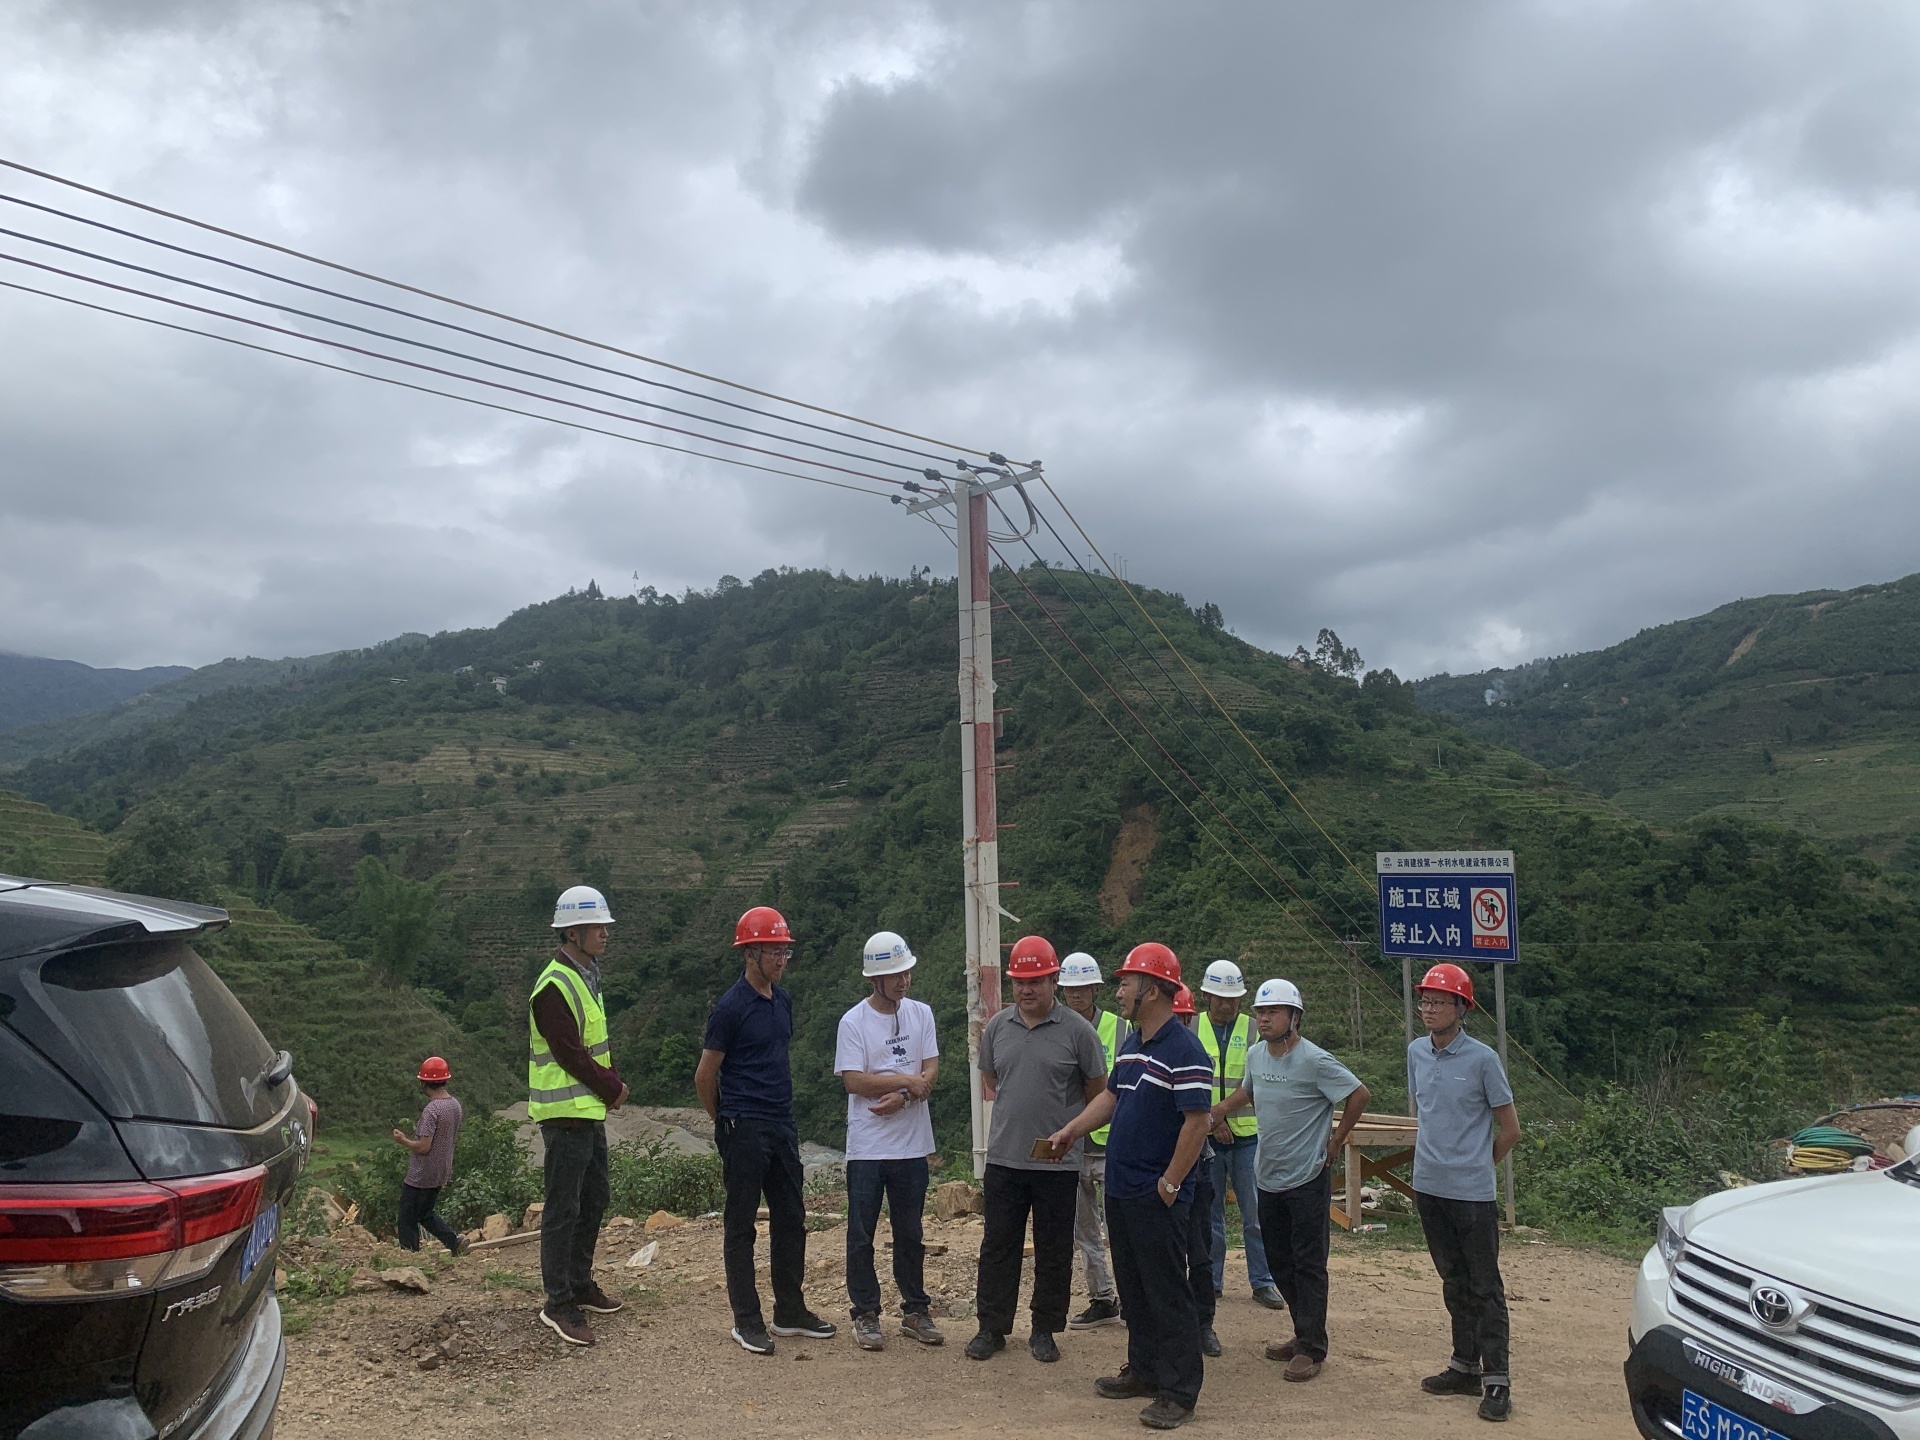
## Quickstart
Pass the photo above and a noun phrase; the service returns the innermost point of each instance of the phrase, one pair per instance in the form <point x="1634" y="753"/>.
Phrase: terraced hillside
<point x="355" y="1039"/>
<point x="1800" y="710"/>
<point x="792" y="739"/>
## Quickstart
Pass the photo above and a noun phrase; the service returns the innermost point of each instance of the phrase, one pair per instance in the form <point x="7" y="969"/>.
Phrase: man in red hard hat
<point x="434" y="1135"/>
<point x="745" y="1083"/>
<point x="1039" y="1063"/>
<point x="1156" y="1101"/>
<point x="1464" y="1105"/>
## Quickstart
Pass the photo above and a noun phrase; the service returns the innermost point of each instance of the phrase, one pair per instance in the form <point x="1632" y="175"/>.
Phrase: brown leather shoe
<point x="1300" y="1367"/>
<point x="1281" y="1349"/>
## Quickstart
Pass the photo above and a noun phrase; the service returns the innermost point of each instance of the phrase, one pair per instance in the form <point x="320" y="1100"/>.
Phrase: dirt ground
<point x="665" y="1366"/>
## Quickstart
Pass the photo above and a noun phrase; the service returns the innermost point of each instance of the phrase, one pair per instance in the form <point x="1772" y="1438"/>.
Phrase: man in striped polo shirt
<point x="1156" y="1101"/>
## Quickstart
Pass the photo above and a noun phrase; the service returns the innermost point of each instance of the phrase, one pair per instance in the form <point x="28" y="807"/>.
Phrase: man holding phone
<point x="1039" y="1064"/>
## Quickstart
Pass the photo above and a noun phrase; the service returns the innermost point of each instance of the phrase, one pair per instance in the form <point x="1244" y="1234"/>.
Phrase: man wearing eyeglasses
<point x="1464" y="1106"/>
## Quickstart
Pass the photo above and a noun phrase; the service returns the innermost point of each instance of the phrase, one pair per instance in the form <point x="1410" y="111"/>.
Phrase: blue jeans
<point x="1235" y="1161"/>
<point x="903" y="1184"/>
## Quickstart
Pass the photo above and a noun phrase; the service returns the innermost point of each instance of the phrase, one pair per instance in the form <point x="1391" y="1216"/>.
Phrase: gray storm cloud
<point x="1476" y="332"/>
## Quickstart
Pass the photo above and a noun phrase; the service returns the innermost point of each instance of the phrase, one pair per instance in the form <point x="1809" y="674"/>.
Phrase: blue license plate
<point x="260" y="1241"/>
<point x="1702" y="1419"/>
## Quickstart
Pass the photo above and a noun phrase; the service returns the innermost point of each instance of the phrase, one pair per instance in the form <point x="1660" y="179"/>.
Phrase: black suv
<point x="149" y="1139"/>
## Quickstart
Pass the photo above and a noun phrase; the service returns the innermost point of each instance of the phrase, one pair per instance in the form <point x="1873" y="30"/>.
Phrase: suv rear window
<point x="166" y="1035"/>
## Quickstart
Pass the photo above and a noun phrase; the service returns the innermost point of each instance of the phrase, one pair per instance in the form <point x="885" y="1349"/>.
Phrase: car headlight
<point x="1672" y="1234"/>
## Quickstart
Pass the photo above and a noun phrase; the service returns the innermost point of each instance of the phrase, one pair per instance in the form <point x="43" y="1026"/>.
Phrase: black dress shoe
<point x="1209" y="1343"/>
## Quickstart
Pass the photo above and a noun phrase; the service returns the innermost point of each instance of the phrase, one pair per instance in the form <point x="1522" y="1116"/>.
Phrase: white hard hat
<point x="886" y="954"/>
<point x="1223" y="978"/>
<point x="1079" y="968"/>
<point x="1279" y="992"/>
<point x="580" y="905"/>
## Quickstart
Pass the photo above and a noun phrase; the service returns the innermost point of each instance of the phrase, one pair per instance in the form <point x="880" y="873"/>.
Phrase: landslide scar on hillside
<point x="1126" y="879"/>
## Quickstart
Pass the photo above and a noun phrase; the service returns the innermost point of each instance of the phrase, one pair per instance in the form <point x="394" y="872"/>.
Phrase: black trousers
<point x="1200" y="1248"/>
<point x="1298" y="1233"/>
<point x="417" y="1213"/>
<point x="903" y="1185"/>
<point x="1050" y="1196"/>
<point x="762" y="1158"/>
<point x="576" y="1202"/>
<point x="1463" y="1237"/>
<point x="1150" y="1267"/>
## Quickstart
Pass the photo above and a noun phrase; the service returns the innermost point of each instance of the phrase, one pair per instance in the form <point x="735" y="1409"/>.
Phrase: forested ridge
<point x="792" y="739"/>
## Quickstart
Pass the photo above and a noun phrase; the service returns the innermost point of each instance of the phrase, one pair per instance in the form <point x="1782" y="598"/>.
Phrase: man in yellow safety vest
<point x="571" y="1085"/>
<point x="1079" y="988"/>
<point x="1225" y="1034"/>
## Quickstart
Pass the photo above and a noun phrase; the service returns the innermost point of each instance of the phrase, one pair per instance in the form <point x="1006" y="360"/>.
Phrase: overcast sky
<point x="1477" y="332"/>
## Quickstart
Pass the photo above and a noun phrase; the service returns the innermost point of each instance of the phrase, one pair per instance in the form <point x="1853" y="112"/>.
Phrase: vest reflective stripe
<point x="541" y="1057"/>
<point x="1226" y="1081"/>
<point x="553" y="1094"/>
<point x="1109" y="1028"/>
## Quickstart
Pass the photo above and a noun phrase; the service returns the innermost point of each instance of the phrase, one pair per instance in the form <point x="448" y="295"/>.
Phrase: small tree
<point x="1333" y="657"/>
<point x="158" y="852"/>
<point x="398" y="912"/>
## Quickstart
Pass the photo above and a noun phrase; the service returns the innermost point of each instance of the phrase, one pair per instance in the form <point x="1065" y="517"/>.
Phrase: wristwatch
<point x="1168" y="1186"/>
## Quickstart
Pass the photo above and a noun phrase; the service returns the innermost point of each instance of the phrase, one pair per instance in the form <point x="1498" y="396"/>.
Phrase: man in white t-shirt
<point x="888" y="1057"/>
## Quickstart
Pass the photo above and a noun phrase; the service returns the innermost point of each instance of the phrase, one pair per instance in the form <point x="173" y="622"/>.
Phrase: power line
<point x="1332" y="894"/>
<point x="451" y="374"/>
<point x="444" y="350"/>
<point x="477" y="309"/>
<point x="434" y="320"/>
<point x="429" y="390"/>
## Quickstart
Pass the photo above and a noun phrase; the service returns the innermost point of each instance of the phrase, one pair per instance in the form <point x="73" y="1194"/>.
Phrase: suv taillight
<point x="66" y="1242"/>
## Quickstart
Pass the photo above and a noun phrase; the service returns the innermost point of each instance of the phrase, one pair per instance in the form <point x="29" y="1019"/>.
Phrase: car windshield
<point x="168" y="1038"/>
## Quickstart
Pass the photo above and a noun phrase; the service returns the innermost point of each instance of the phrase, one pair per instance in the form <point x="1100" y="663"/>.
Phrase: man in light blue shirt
<point x="1293" y="1086"/>
<point x="1464" y="1105"/>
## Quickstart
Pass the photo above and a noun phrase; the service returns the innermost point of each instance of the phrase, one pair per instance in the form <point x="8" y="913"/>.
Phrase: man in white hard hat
<point x="571" y="1086"/>
<point x="887" y="1056"/>
<point x="1226" y="1034"/>
<point x="1293" y="1085"/>
<point x="1080" y="989"/>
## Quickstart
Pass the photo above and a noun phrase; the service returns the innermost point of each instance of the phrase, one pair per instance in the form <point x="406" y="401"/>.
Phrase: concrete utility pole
<point x="979" y="792"/>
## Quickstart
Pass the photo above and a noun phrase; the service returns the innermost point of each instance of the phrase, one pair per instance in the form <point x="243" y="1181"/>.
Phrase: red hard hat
<point x="762" y="925"/>
<point x="435" y="1071"/>
<point x="1153" y="959"/>
<point x="1449" y="980"/>
<point x="1031" y="959"/>
<point x="1183" y="1001"/>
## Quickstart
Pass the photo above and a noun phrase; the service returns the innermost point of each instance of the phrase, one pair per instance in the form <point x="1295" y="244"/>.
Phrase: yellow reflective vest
<point x="552" y="1093"/>
<point x="1110" y="1030"/>
<point x="1230" y="1068"/>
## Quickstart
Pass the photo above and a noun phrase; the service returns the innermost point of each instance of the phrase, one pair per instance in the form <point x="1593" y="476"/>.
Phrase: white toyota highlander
<point x="1790" y="1309"/>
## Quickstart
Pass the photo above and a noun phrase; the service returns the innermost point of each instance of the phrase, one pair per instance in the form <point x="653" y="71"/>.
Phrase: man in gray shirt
<point x="1039" y="1064"/>
<point x="1293" y="1086"/>
<point x="1464" y="1104"/>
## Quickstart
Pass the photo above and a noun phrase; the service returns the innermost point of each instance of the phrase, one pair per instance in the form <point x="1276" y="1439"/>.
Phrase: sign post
<point x="1452" y="905"/>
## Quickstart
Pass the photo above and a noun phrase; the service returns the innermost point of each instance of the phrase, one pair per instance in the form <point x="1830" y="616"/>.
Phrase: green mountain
<point x="34" y="689"/>
<point x="1798" y="710"/>
<point x="355" y="1038"/>
<point x="793" y="740"/>
<point x="172" y="689"/>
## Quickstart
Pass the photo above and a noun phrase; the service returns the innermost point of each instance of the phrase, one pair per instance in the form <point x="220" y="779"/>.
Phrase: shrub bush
<point x="655" y="1176"/>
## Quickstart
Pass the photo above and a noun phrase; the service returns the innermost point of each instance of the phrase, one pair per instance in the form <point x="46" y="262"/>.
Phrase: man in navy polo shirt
<point x="745" y="1083"/>
<point x="1156" y="1101"/>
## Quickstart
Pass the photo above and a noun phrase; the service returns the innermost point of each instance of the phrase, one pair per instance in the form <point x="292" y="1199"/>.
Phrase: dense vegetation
<point x="33" y="690"/>
<point x="791" y="739"/>
<point x="1796" y="709"/>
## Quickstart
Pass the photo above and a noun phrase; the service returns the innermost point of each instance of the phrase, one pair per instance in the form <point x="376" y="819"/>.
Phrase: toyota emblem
<point x="1772" y="1306"/>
